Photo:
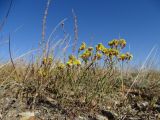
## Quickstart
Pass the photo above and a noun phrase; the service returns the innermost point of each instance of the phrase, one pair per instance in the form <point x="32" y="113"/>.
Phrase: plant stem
<point x="122" y="78"/>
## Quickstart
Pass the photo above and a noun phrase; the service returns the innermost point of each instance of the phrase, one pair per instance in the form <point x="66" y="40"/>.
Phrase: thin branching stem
<point x="10" y="54"/>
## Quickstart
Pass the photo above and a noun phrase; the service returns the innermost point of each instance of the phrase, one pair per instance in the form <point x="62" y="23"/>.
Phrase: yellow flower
<point x="44" y="61"/>
<point x="86" y="55"/>
<point x="122" y="43"/>
<point x="73" y="61"/>
<point x="98" y="56"/>
<point x="61" y="66"/>
<point x="122" y="57"/>
<point x="42" y="73"/>
<point x="69" y="63"/>
<point x="105" y="51"/>
<point x="50" y="60"/>
<point x="129" y="56"/>
<point x="77" y="62"/>
<point x="113" y="52"/>
<point x="83" y="56"/>
<point x="126" y="56"/>
<point x="116" y="42"/>
<point x="111" y="43"/>
<point x="72" y="58"/>
<point x="82" y="47"/>
<point x="100" y="47"/>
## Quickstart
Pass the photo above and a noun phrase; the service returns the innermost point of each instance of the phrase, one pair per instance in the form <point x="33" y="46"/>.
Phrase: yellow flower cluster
<point x="101" y="50"/>
<point x="110" y="52"/>
<point x="61" y="66"/>
<point x="115" y="43"/>
<point x="42" y="72"/>
<point x="47" y="60"/>
<point x="100" y="47"/>
<point x="127" y="56"/>
<point x="73" y="61"/>
<point x="82" y="47"/>
<point x="97" y="56"/>
<point x="87" y="53"/>
<point x="122" y="43"/>
<point x="113" y="53"/>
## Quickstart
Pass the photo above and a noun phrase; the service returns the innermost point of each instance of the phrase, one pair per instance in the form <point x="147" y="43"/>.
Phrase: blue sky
<point x="138" y="21"/>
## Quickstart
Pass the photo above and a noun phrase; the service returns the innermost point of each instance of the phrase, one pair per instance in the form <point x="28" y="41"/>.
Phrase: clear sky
<point x="138" y="21"/>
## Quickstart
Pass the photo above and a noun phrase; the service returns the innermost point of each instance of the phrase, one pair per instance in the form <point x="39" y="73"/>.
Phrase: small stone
<point x="27" y="116"/>
<point x="82" y="118"/>
<point x="93" y="103"/>
<point x="100" y="117"/>
<point x="143" y="105"/>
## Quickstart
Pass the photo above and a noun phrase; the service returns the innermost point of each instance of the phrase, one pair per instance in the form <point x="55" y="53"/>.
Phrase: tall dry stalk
<point x="122" y="80"/>
<point x="14" y="67"/>
<point x="75" y="32"/>
<point x="43" y="42"/>
<point x="6" y="16"/>
<point x="52" y="33"/>
<point x="140" y="71"/>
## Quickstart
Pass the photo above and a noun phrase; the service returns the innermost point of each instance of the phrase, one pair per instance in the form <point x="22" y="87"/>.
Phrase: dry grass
<point x="75" y="90"/>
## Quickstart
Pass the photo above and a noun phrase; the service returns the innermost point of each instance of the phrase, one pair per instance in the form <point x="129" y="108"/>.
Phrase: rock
<point x="27" y="116"/>
<point x="143" y="105"/>
<point x="100" y="117"/>
<point x="134" y="118"/>
<point x="81" y="118"/>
